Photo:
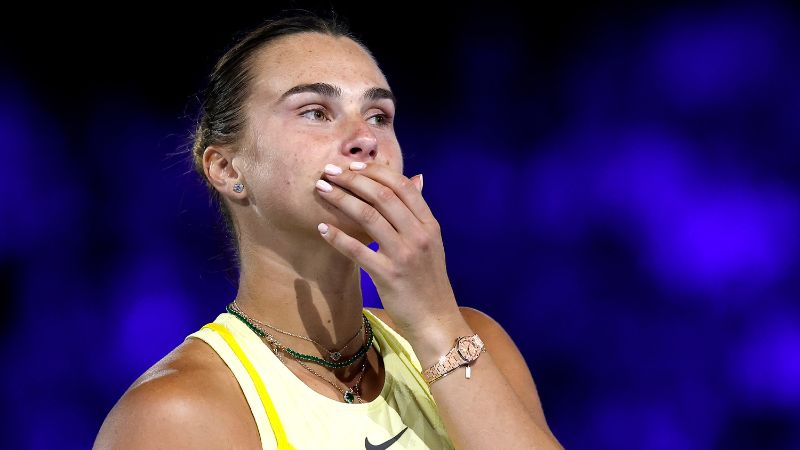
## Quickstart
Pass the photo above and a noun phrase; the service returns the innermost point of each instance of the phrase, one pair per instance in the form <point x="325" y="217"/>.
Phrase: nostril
<point x="355" y="150"/>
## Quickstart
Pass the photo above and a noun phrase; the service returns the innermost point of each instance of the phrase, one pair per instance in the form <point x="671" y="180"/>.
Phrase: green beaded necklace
<point x="302" y="356"/>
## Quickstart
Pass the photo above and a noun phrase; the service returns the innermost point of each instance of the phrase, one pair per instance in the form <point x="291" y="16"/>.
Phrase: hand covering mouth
<point x="353" y="194"/>
<point x="343" y="188"/>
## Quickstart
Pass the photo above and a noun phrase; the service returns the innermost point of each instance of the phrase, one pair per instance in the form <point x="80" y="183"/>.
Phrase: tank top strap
<point x="405" y="401"/>
<point x="261" y="400"/>
<point x="266" y="401"/>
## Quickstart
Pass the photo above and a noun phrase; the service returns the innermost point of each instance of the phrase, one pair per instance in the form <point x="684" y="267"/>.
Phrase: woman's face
<point x="315" y="99"/>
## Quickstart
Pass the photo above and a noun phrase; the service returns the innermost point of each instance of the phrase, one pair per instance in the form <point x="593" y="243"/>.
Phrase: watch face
<point x="470" y="347"/>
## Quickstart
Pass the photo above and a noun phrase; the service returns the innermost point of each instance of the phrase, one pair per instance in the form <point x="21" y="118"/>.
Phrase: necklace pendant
<point x="349" y="396"/>
<point x="335" y="356"/>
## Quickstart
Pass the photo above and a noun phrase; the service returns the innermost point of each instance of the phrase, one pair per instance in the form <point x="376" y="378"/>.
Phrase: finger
<point x="363" y="213"/>
<point x="417" y="179"/>
<point x="381" y="197"/>
<point x="403" y="188"/>
<point x="371" y="261"/>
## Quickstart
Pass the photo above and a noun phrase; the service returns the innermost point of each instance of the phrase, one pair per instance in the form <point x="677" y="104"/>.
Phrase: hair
<point x="221" y="119"/>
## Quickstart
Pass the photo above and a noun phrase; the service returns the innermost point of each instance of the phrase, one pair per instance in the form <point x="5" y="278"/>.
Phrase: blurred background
<point x="618" y="186"/>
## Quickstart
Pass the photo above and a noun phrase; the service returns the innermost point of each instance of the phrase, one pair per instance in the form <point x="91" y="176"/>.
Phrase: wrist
<point x="465" y="351"/>
<point x="433" y="340"/>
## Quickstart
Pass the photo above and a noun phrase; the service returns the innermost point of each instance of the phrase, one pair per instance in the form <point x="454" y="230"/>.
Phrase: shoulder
<point x="189" y="399"/>
<point x="505" y="354"/>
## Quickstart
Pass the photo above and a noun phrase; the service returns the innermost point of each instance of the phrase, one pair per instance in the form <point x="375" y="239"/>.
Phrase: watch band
<point x="466" y="350"/>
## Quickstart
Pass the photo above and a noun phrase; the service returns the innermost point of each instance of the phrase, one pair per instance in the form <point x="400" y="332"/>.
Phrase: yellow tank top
<point x="290" y="415"/>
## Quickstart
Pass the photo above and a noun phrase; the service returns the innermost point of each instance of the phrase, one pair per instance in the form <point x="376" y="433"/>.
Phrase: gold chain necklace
<point x="348" y="395"/>
<point x="335" y="355"/>
<point x="351" y="393"/>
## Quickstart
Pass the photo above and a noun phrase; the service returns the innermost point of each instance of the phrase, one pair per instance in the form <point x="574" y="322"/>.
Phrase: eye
<point x="381" y="120"/>
<point x="316" y="114"/>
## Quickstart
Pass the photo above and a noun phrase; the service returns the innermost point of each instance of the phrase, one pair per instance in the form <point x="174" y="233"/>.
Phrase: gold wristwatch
<point x="464" y="352"/>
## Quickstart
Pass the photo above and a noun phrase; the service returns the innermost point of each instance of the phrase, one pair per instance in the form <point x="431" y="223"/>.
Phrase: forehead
<point x="306" y="58"/>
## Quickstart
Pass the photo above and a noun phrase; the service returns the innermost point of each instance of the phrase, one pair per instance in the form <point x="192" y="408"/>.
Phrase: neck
<point x="310" y="292"/>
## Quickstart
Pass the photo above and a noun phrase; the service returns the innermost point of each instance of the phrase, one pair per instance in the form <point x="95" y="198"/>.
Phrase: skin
<point x="297" y="278"/>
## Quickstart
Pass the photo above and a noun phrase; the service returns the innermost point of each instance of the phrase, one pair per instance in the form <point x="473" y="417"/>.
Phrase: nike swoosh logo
<point x="385" y="445"/>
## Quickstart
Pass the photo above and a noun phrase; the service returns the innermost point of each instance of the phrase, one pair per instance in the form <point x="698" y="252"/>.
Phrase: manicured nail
<point x="331" y="169"/>
<point x="355" y="165"/>
<point x="421" y="182"/>
<point x="322" y="228"/>
<point x="323" y="186"/>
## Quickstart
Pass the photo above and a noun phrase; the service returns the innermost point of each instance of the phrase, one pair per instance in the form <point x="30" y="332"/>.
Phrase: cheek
<point x="284" y="159"/>
<point x="289" y="172"/>
<point x="392" y="154"/>
<point x="279" y="174"/>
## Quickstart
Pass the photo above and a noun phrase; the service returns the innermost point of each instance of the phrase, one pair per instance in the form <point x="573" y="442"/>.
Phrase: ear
<point x="220" y="170"/>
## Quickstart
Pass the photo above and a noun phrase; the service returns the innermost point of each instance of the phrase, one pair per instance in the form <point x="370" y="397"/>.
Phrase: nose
<point x="360" y="143"/>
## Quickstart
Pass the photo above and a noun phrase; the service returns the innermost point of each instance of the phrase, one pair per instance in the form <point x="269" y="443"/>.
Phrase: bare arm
<point x="157" y="416"/>
<point x="410" y="275"/>
<point x="509" y="361"/>
<point x="498" y="407"/>
<point x="181" y="403"/>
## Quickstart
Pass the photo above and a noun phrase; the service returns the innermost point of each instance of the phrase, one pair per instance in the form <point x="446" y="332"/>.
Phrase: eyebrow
<point x="329" y="90"/>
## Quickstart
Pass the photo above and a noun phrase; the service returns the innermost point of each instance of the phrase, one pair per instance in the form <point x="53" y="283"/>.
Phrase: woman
<point x="296" y="143"/>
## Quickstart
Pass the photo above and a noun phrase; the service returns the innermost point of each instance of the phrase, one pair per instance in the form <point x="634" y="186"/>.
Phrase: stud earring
<point x="238" y="188"/>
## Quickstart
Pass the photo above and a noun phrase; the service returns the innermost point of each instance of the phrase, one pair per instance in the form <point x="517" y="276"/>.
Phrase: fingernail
<point x="331" y="169"/>
<point x="421" y="182"/>
<point x="322" y="228"/>
<point x="357" y="165"/>
<point x="323" y="186"/>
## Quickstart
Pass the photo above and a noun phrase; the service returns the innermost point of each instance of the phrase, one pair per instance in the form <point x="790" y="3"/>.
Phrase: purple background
<point x="617" y="185"/>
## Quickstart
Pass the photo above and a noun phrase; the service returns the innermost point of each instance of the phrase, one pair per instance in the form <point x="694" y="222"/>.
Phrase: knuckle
<point x="394" y="273"/>
<point x="369" y="214"/>
<point x="355" y="250"/>
<point x="406" y="184"/>
<point x="423" y="242"/>
<point x="420" y="238"/>
<point x="403" y="259"/>
<point x="385" y="193"/>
